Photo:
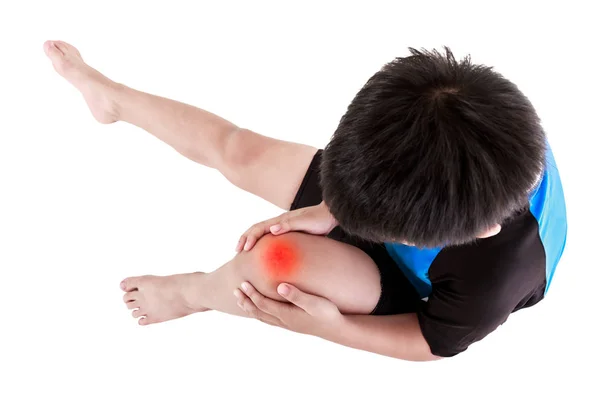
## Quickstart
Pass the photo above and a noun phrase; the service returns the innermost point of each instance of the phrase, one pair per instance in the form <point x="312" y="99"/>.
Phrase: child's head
<point x="432" y="151"/>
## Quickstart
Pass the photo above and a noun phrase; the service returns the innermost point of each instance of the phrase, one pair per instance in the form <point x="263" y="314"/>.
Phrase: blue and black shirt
<point x="472" y="289"/>
<point x="462" y="293"/>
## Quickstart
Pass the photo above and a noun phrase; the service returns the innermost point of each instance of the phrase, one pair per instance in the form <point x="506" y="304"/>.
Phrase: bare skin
<point x="337" y="284"/>
<point x="249" y="160"/>
<point x="356" y="289"/>
<point x="97" y="90"/>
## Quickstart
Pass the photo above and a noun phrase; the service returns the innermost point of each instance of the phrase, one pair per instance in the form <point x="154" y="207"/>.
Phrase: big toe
<point x="63" y="57"/>
<point x="67" y="49"/>
<point x="52" y="50"/>
<point x="130" y="284"/>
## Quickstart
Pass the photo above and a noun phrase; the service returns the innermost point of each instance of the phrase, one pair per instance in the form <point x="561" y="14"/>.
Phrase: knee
<point x="273" y="260"/>
<point x="317" y="265"/>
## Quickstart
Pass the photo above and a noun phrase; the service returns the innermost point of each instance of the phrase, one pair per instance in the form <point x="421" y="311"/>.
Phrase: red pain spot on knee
<point x="280" y="258"/>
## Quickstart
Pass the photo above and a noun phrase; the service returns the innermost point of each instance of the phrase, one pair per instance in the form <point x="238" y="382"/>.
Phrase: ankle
<point x="191" y="287"/>
<point x="116" y="92"/>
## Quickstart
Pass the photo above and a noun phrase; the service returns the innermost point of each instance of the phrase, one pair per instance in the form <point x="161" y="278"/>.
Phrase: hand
<point x="308" y="314"/>
<point x="316" y="220"/>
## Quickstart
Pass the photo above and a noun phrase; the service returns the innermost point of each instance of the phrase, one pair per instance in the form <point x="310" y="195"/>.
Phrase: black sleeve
<point x="458" y="314"/>
<point x="476" y="287"/>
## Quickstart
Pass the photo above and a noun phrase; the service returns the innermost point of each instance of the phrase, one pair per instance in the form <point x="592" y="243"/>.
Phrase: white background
<point x="84" y="205"/>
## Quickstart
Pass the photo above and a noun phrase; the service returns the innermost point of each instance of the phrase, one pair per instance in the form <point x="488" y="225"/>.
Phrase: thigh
<point x="269" y="168"/>
<point x="322" y="266"/>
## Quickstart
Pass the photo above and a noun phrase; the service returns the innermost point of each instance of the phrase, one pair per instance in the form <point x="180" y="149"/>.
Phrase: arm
<point x="397" y="336"/>
<point x="316" y="220"/>
<point x="468" y="301"/>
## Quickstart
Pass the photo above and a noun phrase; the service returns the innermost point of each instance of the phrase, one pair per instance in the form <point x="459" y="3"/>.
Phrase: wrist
<point x="334" y="330"/>
<point x="331" y="221"/>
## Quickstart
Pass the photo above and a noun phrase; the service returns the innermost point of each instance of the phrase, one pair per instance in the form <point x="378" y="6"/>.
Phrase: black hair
<point x="432" y="151"/>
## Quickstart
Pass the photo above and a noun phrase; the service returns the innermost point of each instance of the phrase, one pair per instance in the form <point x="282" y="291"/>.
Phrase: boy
<point x="434" y="213"/>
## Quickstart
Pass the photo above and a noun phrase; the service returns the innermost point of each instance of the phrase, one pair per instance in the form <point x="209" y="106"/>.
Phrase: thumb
<point x="305" y="301"/>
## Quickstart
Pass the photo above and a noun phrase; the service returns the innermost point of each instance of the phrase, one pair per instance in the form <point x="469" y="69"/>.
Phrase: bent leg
<point x="318" y="265"/>
<point x="248" y="160"/>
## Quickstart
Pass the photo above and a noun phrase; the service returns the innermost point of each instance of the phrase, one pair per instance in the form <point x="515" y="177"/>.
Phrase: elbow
<point x="421" y="357"/>
<point x="431" y="357"/>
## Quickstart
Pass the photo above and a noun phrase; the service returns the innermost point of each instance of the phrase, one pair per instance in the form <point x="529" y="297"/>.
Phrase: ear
<point x="493" y="231"/>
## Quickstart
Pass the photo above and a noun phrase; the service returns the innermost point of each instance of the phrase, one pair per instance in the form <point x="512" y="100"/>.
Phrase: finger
<point x="280" y="228"/>
<point x="246" y="304"/>
<point x="305" y="301"/>
<point x="240" y="244"/>
<point x="290" y="221"/>
<point x="251" y="236"/>
<point x="263" y="303"/>
<point x="250" y="241"/>
<point x="261" y="229"/>
<point x="255" y="233"/>
<point x="297" y="220"/>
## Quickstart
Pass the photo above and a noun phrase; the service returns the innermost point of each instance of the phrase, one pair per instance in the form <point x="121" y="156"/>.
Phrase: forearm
<point x="397" y="336"/>
<point x="193" y="132"/>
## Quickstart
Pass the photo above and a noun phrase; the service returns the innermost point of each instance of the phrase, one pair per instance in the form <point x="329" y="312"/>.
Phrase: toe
<point x="132" y="305"/>
<point x="144" y="321"/>
<point x="130" y="284"/>
<point x="61" y="46"/>
<point x="52" y="50"/>
<point x="67" y="48"/>
<point x="47" y="45"/>
<point x="138" y="313"/>
<point x="130" y="296"/>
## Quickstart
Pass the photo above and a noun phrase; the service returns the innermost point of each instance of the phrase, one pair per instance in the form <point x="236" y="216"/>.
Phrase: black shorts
<point x="398" y="296"/>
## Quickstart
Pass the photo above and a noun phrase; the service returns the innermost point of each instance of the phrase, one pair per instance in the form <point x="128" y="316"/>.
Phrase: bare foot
<point x="161" y="298"/>
<point x="97" y="90"/>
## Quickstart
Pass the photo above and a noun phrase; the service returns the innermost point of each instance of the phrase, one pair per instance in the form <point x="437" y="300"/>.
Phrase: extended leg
<point x="250" y="161"/>
<point x="317" y="265"/>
